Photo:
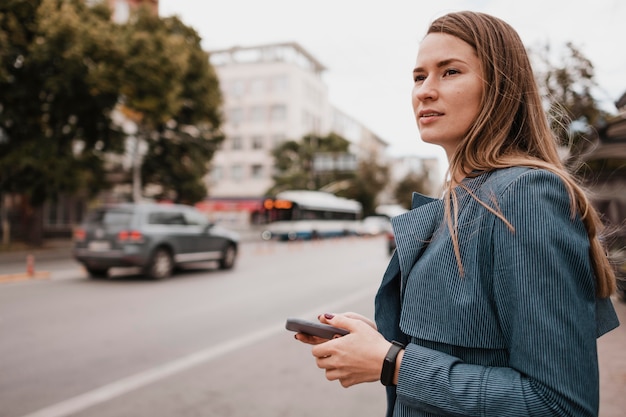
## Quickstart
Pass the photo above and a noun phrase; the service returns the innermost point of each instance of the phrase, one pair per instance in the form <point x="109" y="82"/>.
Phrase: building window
<point x="217" y="173"/>
<point x="236" y="143"/>
<point x="236" y="172"/>
<point x="257" y="171"/>
<point x="257" y="142"/>
<point x="235" y="116"/>
<point x="257" y="87"/>
<point x="257" y="114"/>
<point x="280" y="83"/>
<point x="312" y="93"/>
<point x="237" y="88"/>
<point x="278" y="112"/>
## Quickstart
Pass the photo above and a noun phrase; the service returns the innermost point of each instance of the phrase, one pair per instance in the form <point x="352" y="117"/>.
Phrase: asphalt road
<point x="206" y="342"/>
<point x="203" y="343"/>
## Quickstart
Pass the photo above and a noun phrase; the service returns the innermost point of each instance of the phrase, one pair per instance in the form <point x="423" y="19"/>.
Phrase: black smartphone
<point x="325" y="331"/>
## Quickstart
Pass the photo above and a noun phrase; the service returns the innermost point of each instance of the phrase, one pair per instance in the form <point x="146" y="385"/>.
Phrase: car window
<point x="166" y="217"/>
<point x="196" y="218"/>
<point x="110" y="217"/>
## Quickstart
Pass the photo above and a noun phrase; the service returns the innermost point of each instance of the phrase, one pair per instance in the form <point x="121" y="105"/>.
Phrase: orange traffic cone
<point x="30" y="265"/>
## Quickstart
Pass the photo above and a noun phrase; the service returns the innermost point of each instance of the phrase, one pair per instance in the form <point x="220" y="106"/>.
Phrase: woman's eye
<point x="450" y="71"/>
<point x="419" y="77"/>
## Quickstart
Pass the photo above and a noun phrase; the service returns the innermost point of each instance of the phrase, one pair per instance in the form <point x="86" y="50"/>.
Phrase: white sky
<point x="369" y="46"/>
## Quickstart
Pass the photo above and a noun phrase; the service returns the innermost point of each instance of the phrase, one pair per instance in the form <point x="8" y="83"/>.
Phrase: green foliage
<point x="567" y="85"/>
<point x="65" y="67"/>
<point x="414" y="182"/>
<point x="178" y="167"/>
<point x="58" y="83"/>
<point x="294" y="164"/>
<point x="171" y="87"/>
<point x="153" y="70"/>
<point x="370" y="180"/>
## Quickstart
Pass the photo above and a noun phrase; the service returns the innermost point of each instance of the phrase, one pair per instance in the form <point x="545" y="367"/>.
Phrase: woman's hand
<point x="314" y="340"/>
<point x="354" y="358"/>
<point x="352" y="316"/>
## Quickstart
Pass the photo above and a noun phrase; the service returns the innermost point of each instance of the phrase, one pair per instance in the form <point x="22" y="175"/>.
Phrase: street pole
<point x="136" y="171"/>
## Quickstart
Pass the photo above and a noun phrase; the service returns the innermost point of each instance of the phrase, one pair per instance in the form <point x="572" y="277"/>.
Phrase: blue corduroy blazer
<point x="515" y="334"/>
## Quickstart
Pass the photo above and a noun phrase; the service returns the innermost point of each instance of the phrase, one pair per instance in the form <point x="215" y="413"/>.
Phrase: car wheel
<point x="97" y="272"/>
<point x="161" y="264"/>
<point x="229" y="254"/>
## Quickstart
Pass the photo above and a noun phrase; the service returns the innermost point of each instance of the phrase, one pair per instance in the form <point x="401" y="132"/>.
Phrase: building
<point x="272" y="93"/>
<point x="605" y="175"/>
<point x="604" y="172"/>
<point x="122" y="9"/>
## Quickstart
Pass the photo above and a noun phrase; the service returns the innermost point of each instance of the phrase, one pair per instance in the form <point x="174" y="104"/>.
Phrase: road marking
<point x="125" y="385"/>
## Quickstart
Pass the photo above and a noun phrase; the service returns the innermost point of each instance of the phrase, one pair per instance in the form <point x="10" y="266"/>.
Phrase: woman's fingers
<point x="308" y="339"/>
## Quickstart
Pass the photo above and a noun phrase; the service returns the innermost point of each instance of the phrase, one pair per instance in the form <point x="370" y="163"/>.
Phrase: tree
<point x="65" y="68"/>
<point x="59" y="77"/>
<point x="567" y="83"/>
<point x="369" y="181"/>
<point x="294" y="163"/>
<point x="413" y="182"/>
<point x="171" y="86"/>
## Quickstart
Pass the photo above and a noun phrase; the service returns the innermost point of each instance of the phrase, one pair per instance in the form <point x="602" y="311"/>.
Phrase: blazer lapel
<point x="414" y="229"/>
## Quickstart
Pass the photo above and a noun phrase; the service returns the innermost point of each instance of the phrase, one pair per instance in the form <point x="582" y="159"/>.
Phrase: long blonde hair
<point x="512" y="128"/>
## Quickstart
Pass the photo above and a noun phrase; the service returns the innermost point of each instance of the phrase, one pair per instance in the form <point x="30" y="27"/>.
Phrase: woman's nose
<point x="426" y="90"/>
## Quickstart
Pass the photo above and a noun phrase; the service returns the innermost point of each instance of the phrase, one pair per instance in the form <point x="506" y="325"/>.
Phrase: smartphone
<point x="325" y="331"/>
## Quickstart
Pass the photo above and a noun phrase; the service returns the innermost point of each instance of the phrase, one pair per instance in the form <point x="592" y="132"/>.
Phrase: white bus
<point x="303" y="214"/>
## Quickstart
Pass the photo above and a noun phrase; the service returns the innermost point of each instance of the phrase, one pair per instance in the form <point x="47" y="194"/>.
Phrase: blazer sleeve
<point x="544" y="292"/>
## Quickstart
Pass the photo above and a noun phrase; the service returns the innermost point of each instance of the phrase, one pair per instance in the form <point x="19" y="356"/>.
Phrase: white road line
<point x="125" y="385"/>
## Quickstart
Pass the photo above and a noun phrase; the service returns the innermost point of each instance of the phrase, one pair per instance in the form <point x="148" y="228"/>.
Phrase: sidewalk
<point x="51" y="249"/>
<point x="18" y="254"/>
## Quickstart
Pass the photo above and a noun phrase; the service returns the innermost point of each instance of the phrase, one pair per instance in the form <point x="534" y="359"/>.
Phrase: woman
<point x="496" y="293"/>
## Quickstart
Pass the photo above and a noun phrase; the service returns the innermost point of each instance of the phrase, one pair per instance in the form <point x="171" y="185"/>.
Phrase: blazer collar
<point x="419" y="200"/>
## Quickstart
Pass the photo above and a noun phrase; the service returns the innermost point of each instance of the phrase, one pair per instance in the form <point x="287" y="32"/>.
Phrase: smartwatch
<point x="389" y="364"/>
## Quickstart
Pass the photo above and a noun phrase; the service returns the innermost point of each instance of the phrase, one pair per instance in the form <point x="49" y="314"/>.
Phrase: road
<point x="205" y="342"/>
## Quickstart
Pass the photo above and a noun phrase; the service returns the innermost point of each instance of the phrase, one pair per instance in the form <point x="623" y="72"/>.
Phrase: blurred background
<point x="229" y="107"/>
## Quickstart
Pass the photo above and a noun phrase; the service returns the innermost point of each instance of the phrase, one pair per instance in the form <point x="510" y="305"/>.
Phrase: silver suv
<point x="154" y="237"/>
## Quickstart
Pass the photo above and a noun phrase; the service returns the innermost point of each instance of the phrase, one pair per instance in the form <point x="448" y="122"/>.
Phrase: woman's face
<point x="447" y="91"/>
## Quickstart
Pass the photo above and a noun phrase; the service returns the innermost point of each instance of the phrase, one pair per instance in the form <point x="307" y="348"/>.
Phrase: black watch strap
<point x="389" y="364"/>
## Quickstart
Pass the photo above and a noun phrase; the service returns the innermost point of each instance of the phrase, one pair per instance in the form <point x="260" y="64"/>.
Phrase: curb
<point x="24" y="276"/>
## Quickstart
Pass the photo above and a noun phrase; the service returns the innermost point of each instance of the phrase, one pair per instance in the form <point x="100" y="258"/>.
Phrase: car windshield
<point x="110" y="217"/>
